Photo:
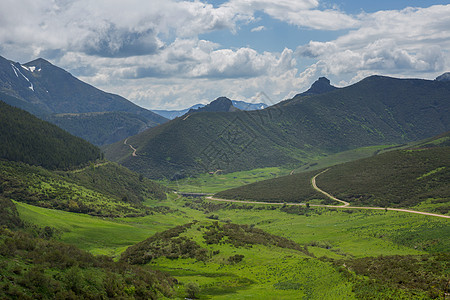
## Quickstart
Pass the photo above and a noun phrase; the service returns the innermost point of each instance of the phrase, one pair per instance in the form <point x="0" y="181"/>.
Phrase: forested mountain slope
<point x="28" y="139"/>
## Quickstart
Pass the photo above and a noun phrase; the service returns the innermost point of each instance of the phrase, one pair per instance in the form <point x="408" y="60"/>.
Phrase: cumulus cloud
<point x="303" y="13"/>
<point x="397" y="43"/>
<point x="192" y="58"/>
<point x="109" y="28"/>
<point x="412" y="40"/>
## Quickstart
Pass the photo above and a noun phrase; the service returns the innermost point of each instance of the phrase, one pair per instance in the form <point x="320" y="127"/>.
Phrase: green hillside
<point x="106" y="190"/>
<point x="376" y="111"/>
<point x="35" y="266"/>
<point x="26" y="138"/>
<point x="404" y="178"/>
<point x="414" y="177"/>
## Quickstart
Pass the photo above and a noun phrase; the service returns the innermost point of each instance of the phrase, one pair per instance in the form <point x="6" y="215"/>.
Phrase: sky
<point x="171" y="54"/>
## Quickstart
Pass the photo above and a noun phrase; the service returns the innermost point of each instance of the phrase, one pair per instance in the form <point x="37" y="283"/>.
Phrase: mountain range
<point x="377" y="110"/>
<point x="55" y="95"/>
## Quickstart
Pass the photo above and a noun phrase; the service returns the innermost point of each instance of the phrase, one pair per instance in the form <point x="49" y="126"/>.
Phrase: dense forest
<point x="26" y="138"/>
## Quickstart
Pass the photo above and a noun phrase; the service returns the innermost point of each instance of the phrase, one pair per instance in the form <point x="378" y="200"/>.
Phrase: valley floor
<point x="333" y="237"/>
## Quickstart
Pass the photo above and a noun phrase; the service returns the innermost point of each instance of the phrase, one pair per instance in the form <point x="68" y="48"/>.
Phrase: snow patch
<point x="15" y="69"/>
<point x="32" y="68"/>
<point x="25" y="68"/>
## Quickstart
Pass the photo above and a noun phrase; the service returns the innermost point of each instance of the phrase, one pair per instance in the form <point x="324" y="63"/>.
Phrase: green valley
<point x="229" y="263"/>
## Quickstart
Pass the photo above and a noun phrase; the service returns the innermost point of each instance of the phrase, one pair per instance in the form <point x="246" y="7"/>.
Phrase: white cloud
<point x="303" y="13"/>
<point x="151" y="53"/>
<point x="257" y="29"/>
<point x="408" y="41"/>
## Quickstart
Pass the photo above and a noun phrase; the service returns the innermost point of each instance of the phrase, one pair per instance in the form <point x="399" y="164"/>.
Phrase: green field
<point x="213" y="183"/>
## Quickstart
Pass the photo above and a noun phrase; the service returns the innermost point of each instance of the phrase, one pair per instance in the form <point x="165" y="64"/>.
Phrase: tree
<point x="192" y="289"/>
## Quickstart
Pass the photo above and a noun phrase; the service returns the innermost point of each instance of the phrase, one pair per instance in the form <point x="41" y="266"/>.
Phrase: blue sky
<point x="171" y="54"/>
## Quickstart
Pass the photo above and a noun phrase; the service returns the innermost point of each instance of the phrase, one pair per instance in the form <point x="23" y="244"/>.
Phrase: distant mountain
<point x="444" y="77"/>
<point x="28" y="139"/>
<point x="221" y="104"/>
<point x="320" y="86"/>
<point x="377" y="110"/>
<point x="172" y="114"/>
<point x="242" y="105"/>
<point x="42" y="89"/>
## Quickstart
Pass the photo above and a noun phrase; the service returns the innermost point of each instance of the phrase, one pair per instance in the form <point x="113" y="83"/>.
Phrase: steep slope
<point x="443" y="77"/>
<point x="26" y="138"/>
<point x="42" y="89"/>
<point x="378" y="110"/>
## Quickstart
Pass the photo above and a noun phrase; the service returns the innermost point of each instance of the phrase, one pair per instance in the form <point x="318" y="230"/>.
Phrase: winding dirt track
<point x="313" y="183"/>
<point x="132" y="148"/>
<point x="345" y="204"/>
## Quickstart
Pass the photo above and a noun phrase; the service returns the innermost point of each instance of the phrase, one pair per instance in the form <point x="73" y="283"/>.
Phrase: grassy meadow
<point x="266" y="271"/>
<point x="213" y="183"/>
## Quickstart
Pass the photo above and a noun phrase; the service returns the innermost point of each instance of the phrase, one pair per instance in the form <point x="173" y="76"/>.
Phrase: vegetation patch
<point x="394" y="179"/>
<point x="35" y="268"/>
<point x="245" y="235"/>
<point x="81" y="192"/>
<point x="405" y="276"/>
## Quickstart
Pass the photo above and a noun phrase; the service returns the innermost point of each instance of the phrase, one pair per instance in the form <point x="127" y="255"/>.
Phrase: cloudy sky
<point x="170" y="54"/>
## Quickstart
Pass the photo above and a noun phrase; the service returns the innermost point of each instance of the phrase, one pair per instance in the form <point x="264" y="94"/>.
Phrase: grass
<point x="349" y="233"/>
<point x="342" y="157"/>
<point x="213" y="183"/>
<point x="267" y="272"/>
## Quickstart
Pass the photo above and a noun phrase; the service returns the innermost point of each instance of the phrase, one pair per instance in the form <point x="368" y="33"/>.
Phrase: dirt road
<point x="345" y="205"/>
<point x="313" y="183"/>
<point x="132" y="148"/>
